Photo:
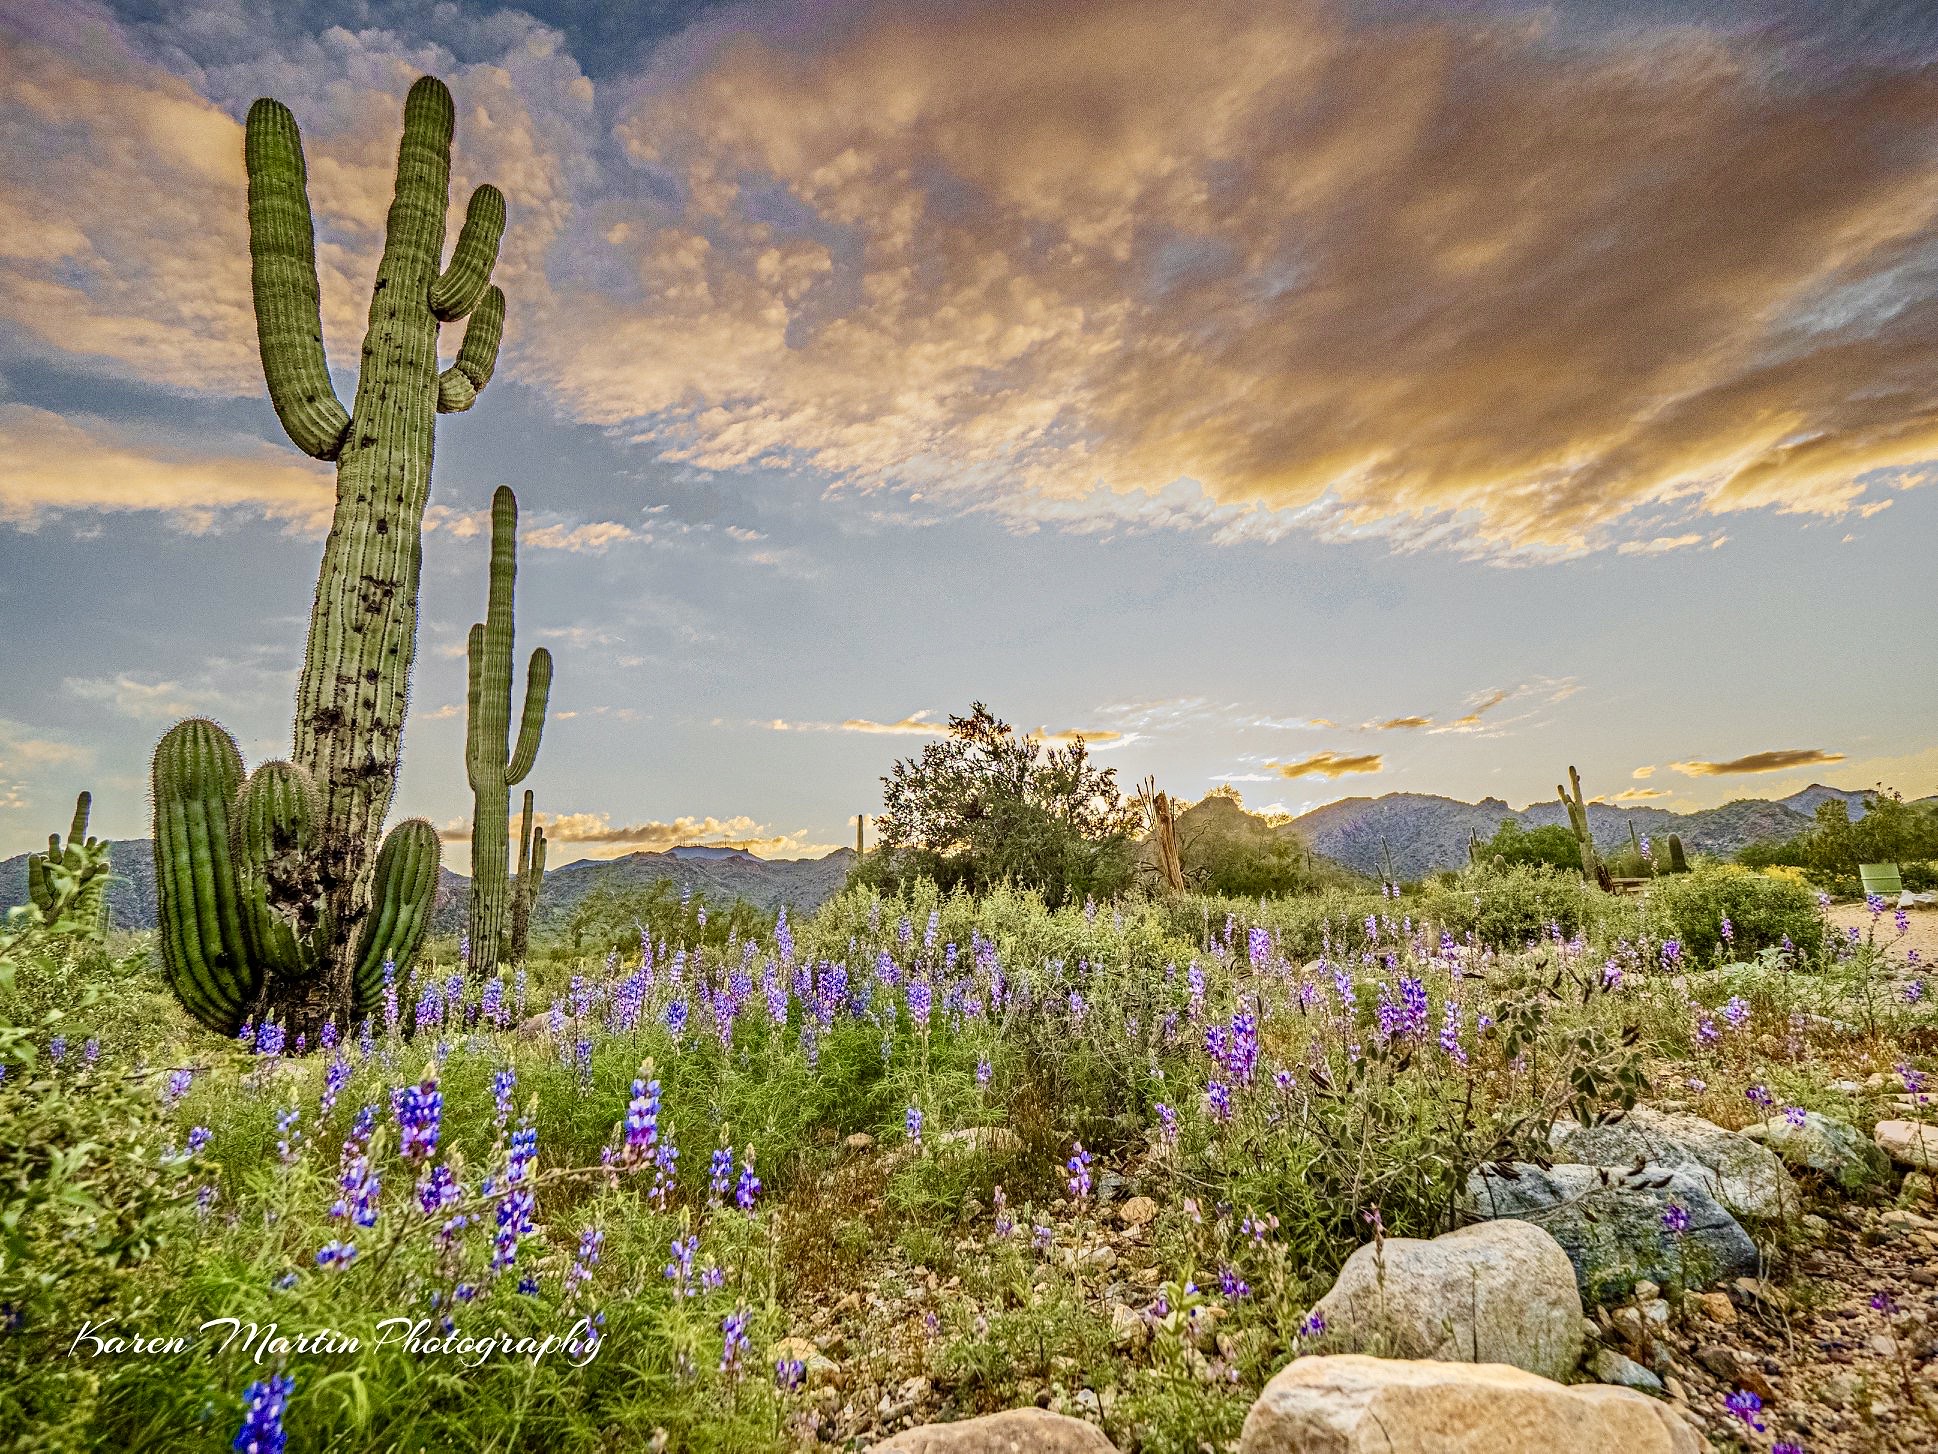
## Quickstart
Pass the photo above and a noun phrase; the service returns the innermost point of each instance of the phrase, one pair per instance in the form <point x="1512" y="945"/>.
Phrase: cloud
<point x="1097" y="739"/>
<point x="1661" y="544"/>
<point x="123" y="228"/>
<point x="21" y="748"/>
<point x="916" y="724"/>
<point x="1399" y="724"/>
<point x="145" y="701"/>
<point x="596" y="831"/>
<point x="588" y="539"/>
<point x="1777" y="760"/>
<point x="1634" y="795"/>
<point x="1643" y="772"/>
<point x="58" y="464"/>
<point x="1118" y="265"/>
<point x="1328" y="765"/>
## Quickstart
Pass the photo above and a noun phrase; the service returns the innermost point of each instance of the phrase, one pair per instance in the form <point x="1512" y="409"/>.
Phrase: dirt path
<point x="1922" y="922"/>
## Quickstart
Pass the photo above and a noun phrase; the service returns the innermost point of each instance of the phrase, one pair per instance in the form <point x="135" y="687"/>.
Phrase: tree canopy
<point x="988" y="805"/>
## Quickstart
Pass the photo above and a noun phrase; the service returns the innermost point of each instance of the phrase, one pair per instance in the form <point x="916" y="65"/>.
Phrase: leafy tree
<point x="987" y="805"/>
<point x="1831" y="848"/>
<point x="1227" y="850"/>
<point x="1551" y="844"/>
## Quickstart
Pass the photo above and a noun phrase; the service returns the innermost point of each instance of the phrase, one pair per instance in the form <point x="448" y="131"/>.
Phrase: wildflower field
<point x="908" y="1158"/>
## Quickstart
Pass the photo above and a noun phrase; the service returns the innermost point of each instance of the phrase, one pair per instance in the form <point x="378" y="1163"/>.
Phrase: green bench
<point x="1882" y="879"/>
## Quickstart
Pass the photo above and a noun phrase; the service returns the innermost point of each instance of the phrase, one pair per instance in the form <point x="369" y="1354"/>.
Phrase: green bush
<point x="1763" y="912"/>
<point x="1512" y="907"/>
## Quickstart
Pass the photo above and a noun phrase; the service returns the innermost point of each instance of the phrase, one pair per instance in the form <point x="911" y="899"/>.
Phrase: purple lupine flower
<point x="719" y="1174"/>
<point x="1675" y="1217"/>
<point x="1796" y="1115"/>
<point x="1079" y="1168"/>
<point x="642" y="1117"/>
<point x="176" y="1087"/>
<point x="1450" y="1033"/>
<point x="198" y="1137"/>
<point x="1737" y="1012"/>
<point x="1232" y="1285"/>
<point x="747" y="1189"/>
<point x="515" y="1201"/>
<point x="359" y="1185"/>
<point x="1218" y="1097"/>
<point x="1167" y="1123"/>
<point x="665" y="1165"/>
<point x="270" y="1038"/>
<point x="985" y="1072"/>
<point x="439" y="1189"/>
<point x="334" y="1256"/>
<point x="502" y="1084"/>
<point x="334" y="1079"/>
<point x="1041" y="1238"/>
<point x="789" y="1374"/>
<point x="680" y="1270"/>
<point x="390" y="995"/>
<point x="1746" y="1406"/>
<point x="262" y="1416"/>
<point x="921" y="997"/>
<point x="492" y="1009"/>
<point x="288" y="1134"/>
<point x="733" y="1332"/>
<point x="1760" y="1097"/>
<point x="912" y="1119"/>
<point x="1313" y="1325"/>
<point x="420" y="1113"/>
<point x="1005" y="1224"/>
<point x="1671" y="953"/>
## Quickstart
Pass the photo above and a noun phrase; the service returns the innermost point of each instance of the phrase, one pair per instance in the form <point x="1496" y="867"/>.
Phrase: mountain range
<point x="1423" y="832"/>
<point x="1420" y="831"/>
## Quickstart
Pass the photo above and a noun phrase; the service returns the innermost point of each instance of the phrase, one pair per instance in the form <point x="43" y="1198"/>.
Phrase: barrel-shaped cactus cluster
<point x="275" y="900"/>
<point x="491" y="761"/>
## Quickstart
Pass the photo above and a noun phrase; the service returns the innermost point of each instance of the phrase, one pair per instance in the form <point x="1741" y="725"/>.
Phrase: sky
<point x="1321" y="398"/>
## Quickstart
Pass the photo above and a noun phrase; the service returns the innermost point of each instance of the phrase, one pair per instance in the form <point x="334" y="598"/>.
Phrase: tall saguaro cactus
<point x="282" y="921"/>
<point x="531" y="880"/>
<point x="493" y="764"/>
<point x="1577" y="806"/>
<point x="83" y="861"/>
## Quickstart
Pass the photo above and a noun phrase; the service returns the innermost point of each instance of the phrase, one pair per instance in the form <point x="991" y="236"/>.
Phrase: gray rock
<point x="1609" y="1222"/>
<point x="1496" y="1292"/>
<point x="1909" y="1143"/>
<point x="1747" y="1178"/>
<point x="1608" y="1366"/>
<point x="1824" y="1144"/>
<point x="1348" y="1404"/>
<point x="1014" y="1431"/>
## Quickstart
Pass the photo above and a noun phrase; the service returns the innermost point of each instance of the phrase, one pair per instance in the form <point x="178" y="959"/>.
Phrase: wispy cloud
<point x="1642" y="773"/>
<point x="1635" y="795"/>
<point x="1327" y="765"/>
<point x="1399" y="724"/>
<point x="1776" y="760"/>
<point x="591" y="538"/>
<point x="62" y="464"/>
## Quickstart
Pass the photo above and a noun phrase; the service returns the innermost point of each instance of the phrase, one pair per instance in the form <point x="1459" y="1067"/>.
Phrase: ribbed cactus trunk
<point x="531" y="877"/>
<point x="492" y="763"/>
<point x="1577" y="808"/>
<point x="309" y="898"/>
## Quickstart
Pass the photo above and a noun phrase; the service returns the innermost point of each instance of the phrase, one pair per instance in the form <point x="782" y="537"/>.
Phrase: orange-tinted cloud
<point x="1327" y="765"/>
<point x="54" y="464"/>
<point x="596" y="832"/>
<point x="1777" y="760"/>
<point x="1134" y="264"/>
<point x="1399" y="724"/>
<point x="1637" y="795"/>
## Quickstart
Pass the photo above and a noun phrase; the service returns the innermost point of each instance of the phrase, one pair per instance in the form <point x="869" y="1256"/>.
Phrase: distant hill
<point x="1424" y="833"/>
<point x="720" y="875"/>
<point x="1806" y="801"/>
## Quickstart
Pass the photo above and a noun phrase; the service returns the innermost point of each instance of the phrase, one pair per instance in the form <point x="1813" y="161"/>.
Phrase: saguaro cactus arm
<point x="459" y="287"/>
<point x="458" y="386"/>
<point x="282" y="271"/>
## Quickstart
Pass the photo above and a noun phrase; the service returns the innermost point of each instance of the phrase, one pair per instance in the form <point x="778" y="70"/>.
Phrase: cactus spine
<point x="492" y="763"/>
<point x="531" y="879"/>
<point x="1577" y="806"/>
<point x="82" y="862"/>
<point x="275" y="895"/>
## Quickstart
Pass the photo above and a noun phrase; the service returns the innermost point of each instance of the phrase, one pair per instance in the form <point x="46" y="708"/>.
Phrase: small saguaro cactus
<point x="77" y="873"/>
<point x="284" y="923"/>
<point x="531" y="879"/>
<point x="1577" y="806"/>
<point x="1677" y="863"/>
<point x="492" y="763"/>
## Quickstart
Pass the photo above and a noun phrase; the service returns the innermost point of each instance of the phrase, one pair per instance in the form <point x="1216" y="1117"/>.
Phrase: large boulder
<point x="1909" y="1143"/>
<point x="1611" y="1224"/>
<point x="1747" y="1178"/>
<point x="1349" y="1404"/>
<point x="1013" y="1431"/>
<point x="1495" y="1292"/>
<point x="1830" y="1147"/>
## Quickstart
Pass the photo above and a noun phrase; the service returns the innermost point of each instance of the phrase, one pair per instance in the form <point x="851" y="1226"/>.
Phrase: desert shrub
<point x="1761" y="910"/>
<point x="1512" y="907"/>
<point x="1551" y="844"/>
